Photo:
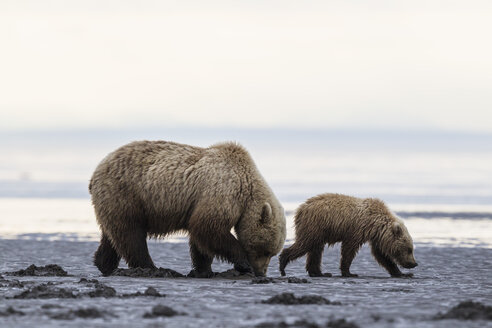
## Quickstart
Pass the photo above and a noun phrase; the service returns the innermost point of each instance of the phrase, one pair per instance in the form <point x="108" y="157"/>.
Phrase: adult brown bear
<point x="154" y="188"/>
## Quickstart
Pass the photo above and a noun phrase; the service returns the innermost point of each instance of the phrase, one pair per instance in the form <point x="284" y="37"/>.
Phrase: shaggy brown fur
<point x="332" y="218"/>
<point x="154" y="188"/>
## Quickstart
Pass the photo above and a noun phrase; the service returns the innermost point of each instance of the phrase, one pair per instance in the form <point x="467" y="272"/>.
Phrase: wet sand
<point x="445" y="277"/>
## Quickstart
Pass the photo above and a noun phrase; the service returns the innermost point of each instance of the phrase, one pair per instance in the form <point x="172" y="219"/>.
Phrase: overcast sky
<point x="403" y="64"/>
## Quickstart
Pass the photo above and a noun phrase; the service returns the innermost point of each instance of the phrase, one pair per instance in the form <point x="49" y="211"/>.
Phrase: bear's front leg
<point x="348" y="253"/>
<point x="387" y="263"/>
<point x="290" y="254"/>
<point x="224" y="245"/>
<point x="201" y="262"/>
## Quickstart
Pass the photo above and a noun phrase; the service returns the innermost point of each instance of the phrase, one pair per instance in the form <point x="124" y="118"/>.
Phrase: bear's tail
<point x="106" y="258"/>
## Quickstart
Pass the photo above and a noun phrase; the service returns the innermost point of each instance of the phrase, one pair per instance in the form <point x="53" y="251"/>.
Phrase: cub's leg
<point x="349" y="250"/>
<point x="313" y="262"/>
<point x="387" y="263"/>
<point x="201" y="262"/>
<point x="290" y="254"/>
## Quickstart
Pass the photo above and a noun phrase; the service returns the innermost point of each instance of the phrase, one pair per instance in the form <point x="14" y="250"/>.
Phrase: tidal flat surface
<point x="445" y="277"/>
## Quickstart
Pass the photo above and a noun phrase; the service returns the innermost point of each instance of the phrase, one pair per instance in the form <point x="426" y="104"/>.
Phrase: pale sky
<point x="99" y="63"/>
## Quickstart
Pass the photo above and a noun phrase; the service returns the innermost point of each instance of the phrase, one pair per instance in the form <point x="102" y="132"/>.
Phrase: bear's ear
<point x="397" y="229"/>
<point x="266" y="213"/>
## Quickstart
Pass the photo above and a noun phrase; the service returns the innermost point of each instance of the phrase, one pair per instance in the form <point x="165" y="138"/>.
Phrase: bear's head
<point x="390" y="234"/>
<point x="401" y="249"/>
<point x="261" y="233"/>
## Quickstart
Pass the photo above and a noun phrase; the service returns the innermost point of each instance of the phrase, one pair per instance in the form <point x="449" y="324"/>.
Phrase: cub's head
<point x="401" y="249"/>
<point x="261" y="232"/>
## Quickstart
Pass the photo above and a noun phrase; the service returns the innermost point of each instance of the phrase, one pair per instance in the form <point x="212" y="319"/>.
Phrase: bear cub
<point x="331" y="218"/>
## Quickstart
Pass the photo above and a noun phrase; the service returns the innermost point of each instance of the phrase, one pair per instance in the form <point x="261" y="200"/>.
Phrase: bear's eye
<point x="409" y="251"/>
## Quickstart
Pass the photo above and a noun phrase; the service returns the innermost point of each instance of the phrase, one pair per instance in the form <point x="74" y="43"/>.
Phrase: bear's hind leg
<point x="202" y="263"/>
<point x="313" y="262"/>
<point x="106" y="258"/>
<point x="290" y="254"/>
<point x="133" y="248"/>
<point x="349" y="250"/>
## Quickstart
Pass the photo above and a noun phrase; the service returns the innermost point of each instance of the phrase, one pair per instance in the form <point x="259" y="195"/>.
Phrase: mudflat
<point x="74" y="294"/>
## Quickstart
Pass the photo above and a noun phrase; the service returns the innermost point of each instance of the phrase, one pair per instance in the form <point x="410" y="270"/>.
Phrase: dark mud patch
<point x="294" y="280"/>
<point x="48" y="290"/>
<point x="291" y="299"/>
<point x="162" y="311"/>
<point x="149" y="292"/>
<point x="49" y="270"/>
<point x="84" y="313"/>
<point x="264" y="280"/>
<point x="341" y="323"/>
<point x="147" y="273"/>
<point x="268" y="280"/>
<point x="88" y="281"/>
<point x="44" y="291"/>
<point x="101" y="290"/>
<point x="233" y="274"/>
<point x="11" y="283"/>
<point x="229" y="274"/>
<point x="10" y="311"/>
<point x="467" y="310"/>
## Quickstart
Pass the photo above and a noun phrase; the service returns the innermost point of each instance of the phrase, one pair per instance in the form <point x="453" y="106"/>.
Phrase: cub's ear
<point x="397" y="229"/>
<point x="266" y="213"/>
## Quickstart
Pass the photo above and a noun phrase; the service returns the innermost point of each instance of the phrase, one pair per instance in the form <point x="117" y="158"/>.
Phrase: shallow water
<point x="73" y="219"/>
<point x="444" y="277"/>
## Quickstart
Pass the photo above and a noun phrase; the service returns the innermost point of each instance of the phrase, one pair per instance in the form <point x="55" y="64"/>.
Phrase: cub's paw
<point x="200" y="274"/>
<point x="349" y="275"/>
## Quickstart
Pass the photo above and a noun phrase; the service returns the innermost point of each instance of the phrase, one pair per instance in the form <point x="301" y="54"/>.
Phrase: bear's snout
<point x="410" y="265"/>
<point x="260" y="266"/>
